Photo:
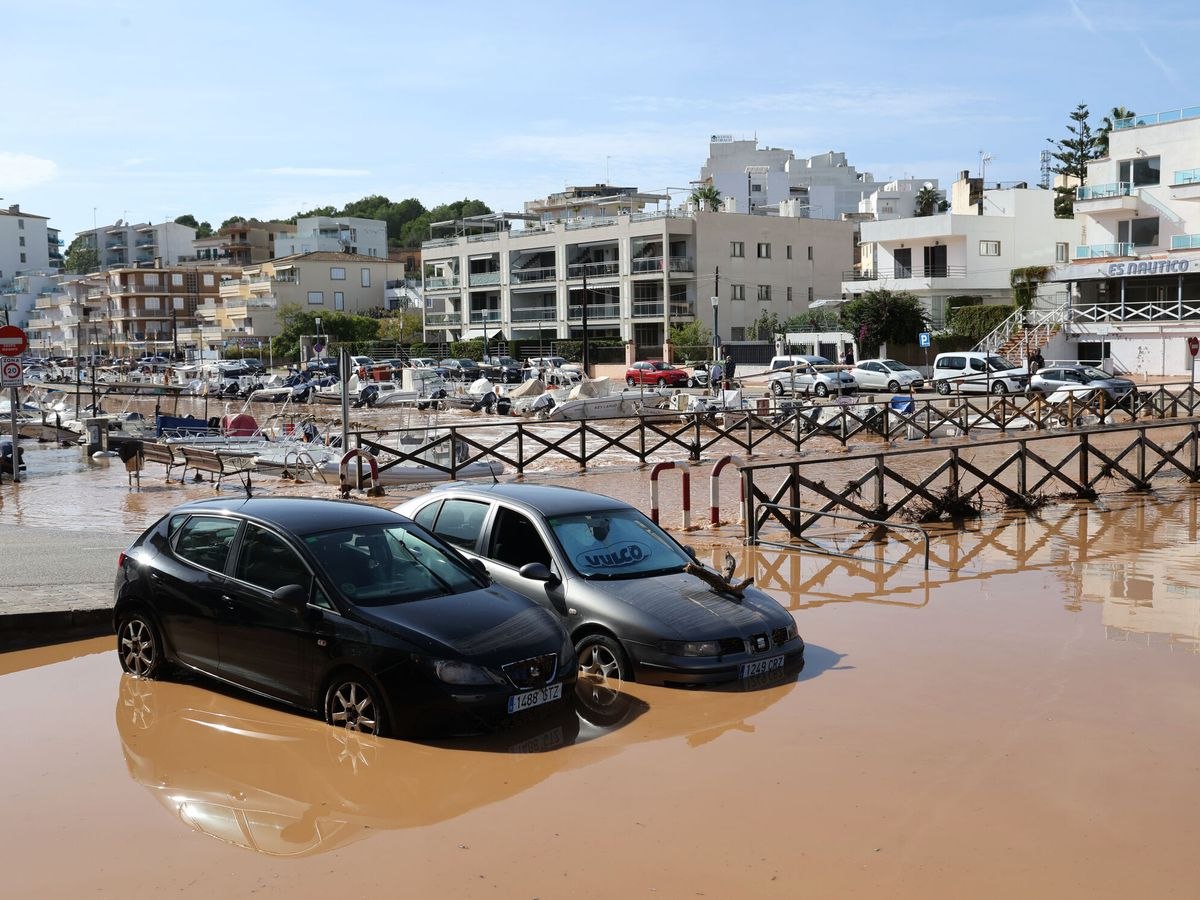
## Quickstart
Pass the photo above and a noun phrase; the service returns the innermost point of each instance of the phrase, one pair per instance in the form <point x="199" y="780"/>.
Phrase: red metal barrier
<point x="687" y="491"/>
<point x="374" y="488"/>
<point x="714" y="490"/>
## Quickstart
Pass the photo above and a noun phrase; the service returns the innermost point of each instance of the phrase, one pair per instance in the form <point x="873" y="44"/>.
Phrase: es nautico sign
<point x="1147" y="267"/>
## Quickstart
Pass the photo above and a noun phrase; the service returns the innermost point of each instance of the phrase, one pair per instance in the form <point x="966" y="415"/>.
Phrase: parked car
<point x="362" y="362"/>
<point x="618" y="581"/>
<point x="973" y="370"/>
<point x="1119" y="391"/>
<point x="427" y="362"/>
<point x="886" y="375"/>
<point x="503" y="369"/>
<point x="656" y="372"/>
<point x="802" y="374"/>
<point x="342" y="608"/>
<point x="325" y="364"/>
<point x="253" y="364"/>
<point x="461" y="369"/>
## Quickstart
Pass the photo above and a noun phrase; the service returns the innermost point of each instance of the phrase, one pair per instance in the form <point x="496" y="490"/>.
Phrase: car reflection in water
<point x="275" y="783"/>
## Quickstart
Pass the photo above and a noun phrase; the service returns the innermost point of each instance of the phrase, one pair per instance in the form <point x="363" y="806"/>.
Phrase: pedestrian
<point x="730" y="367"/>
<point x="716" y="374"/>
<point x="1038" y="359"/>
<point x="847" y="356"/>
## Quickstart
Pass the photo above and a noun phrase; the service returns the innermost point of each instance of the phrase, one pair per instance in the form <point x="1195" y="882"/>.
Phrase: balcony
<point x="1120" y="196"/>
<point x="595" y="311"/>
<point x="644" y="265"/>
<point x="1103" y="251"/>
<point x="535" y="314"/>
<point x="484" y="316"/>
<point x="608" y="269"/>
<point x="1185" y="242"/>
<point x="648" y="309"/>
<point x="1185" y="185"/>
<point x="483" y="279"/>
<point x="532" y="276"/>
<point x="1173" y="115"/>
<point x="441" y="284"/>
<point x="145" y="242"/>
<point x="442" y="320"/>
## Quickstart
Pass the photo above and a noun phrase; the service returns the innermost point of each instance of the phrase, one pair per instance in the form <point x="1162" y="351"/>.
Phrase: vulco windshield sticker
<point x="616" y="556"/>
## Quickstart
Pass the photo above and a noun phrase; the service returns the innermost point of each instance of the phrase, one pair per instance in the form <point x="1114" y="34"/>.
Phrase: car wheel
<point x="629" y="380"/>
<point x="999" y="388"/>
<point x="943" y="387"/>
<point x="601" y="659"/>
<point x="352" y="703"/>
<point x="777" y="388"/>
<point x="139" y="646"/>
<point x="894" y="386"/>
<point x="692" y="383"/>
<point x="821" y="389"/>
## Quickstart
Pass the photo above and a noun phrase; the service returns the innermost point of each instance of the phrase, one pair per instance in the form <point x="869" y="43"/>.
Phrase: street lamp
<point x="716" y="337"/>
<point x="319" y="346"/>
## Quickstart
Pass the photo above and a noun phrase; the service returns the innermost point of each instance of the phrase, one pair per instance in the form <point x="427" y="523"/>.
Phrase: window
<point x="756" y="188"/>
<point x="152" y="304"/>
<point x="737" y="333"/>
<point x="177" y="279"/>
<point x="22" y="257"/>
<point x="151" y="279"/>
<point x="205" y="541"/>
<point x="764" y="251"/>
<point x="989" y="248"/>
<point x="21" y="241"/>
<point x="789" y="251"/>
<point x="460" y="522"/>
<point x="337" y="273"/>
<point x="425" y="517"/>
<point x="810" y="294"/>
<point x="339" y="300"/>
<point x="1141" y="171"/>
<point x="764" y="292"/>
<point x="516" y="542"/>
<point x="316" y="298"/>
<point x="789" y="293"/>
<point x="810" y="256"/>
<point x="737" y="292"/>
<point x="1061" y="252"/>
<point x="737" y="248"/>
<point x="208" y="280"/>
<point x="365" y="277"/>
<point x="267" y="562"/>
<point x="1139" y="232"/>
<point x="20" y="224"/>
<point x="177" y="302"/>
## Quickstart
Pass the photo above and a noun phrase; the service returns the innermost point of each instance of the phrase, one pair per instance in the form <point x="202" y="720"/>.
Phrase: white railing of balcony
<point x="482" y="316"/>
<point x="1187" y="176"/>
<point x="598" y="269"/>
<point x="643" y="265"/>
<point x="647" y="309"/>
<point x="658" y="214"/>
<point x="1185" y="242"/>
<point x="576" y="224"/>
<point x="437" y="284"/>
<point x="483" y="279"/>
<point x="527" y="276"/>
<point x="535" y="314"/>
<point x="440" y="320"/>
<point x="681" y="264"/>
<point x="683" y="310"/>
<point x="596" y="311"/>
<point x="1157" y="311"/>
<point x="1101" y="191"/>
<point x="440" y="242"/>
<point x="1101" y="251"/>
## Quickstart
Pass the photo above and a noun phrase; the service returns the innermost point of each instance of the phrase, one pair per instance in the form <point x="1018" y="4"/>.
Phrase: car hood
<point x="684" y="607"/>
<point x="492" y="624"/>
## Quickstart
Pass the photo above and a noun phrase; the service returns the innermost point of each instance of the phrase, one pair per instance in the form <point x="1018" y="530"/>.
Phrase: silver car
<point x="811" y="375"/>
<point x="617" y="580"/>
<point x="886" y="375"/>
<point x="1120" y="391"/>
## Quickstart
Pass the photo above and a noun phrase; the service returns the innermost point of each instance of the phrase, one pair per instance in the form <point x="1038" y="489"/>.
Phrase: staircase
<point x="1023" y="332"/>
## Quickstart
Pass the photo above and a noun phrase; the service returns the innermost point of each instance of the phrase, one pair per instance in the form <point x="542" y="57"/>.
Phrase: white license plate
<point x="761" y="666"/>
<point x="530" y="699"/>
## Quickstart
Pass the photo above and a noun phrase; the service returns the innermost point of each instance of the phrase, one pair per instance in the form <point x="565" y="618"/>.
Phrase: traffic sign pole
<point x="13" y="343"/>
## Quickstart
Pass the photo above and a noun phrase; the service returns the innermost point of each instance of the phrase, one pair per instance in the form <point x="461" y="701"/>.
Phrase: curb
<point x="22" y="631"/>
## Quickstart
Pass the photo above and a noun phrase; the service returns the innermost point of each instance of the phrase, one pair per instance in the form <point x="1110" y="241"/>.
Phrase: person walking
<point x="716" y="374"/>
<point x="730" y="368"/>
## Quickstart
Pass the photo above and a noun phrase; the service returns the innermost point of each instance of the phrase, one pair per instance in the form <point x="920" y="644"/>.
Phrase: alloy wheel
<point x="138" y="648"/>
<point x="351" y="705"/>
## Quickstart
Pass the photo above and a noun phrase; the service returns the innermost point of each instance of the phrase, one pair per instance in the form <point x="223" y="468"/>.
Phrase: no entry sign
<point x="12" y="341"/>
<point x="1194" y="345"/>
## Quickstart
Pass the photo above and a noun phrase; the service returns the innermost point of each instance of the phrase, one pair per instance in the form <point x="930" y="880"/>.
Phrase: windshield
<point x="378" y="565"/>
<point x="1091" y="374"/>
<point x="662" y="366"/>
<point x="999" y="363"/>
<point x="897" y="366"/>
<point x="620" y="543"/>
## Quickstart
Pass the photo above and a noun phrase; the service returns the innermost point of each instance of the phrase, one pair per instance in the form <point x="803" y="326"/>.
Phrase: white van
<point x="970" y="370"/>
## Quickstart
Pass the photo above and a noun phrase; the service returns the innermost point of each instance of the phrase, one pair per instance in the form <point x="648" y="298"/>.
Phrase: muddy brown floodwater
<point x="1022" y="721"/>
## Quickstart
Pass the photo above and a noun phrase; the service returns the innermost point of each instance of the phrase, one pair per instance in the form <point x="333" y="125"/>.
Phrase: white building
<point x="968" y="251"/>
<point x="644" y="269"/>
<point x="895" y="200"/>
<point x="1134" y="276"/>
<point x="823" y="186"/>
<point x="334" y="234"/>
<point x="123" y="244"/>
<point x="27" y="245"/>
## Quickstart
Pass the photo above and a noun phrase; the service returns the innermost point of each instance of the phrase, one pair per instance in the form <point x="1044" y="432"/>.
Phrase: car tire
<point x="942" y="387"/>
<point x="821" y="389"/>
<point x="777" y="388"/>
<point x="602" y="658"/>
<point x="629" y="380"/>
<point x="691" y="382"/>
<point x="894" y="386"/>
<point x="139" y="646"/>
<point x="999" y="388"/>
<point x="353" y="702"/>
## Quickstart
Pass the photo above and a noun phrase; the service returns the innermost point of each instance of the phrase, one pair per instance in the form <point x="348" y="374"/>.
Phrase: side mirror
<point x="293" y="596"/>
<point x="536" y="571"/>
<point x="690" y="551"/>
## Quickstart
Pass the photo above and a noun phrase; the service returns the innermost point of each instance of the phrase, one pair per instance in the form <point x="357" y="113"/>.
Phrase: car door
<point x="871" y="375"/>
<point x="460" y="522"/>
<point x="265" y="645"/>
<point x="189" y="583"/>
<point x="514" y="540"/>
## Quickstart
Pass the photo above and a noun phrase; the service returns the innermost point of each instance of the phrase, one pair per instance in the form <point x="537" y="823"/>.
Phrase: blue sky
<point x="147" y="110"/>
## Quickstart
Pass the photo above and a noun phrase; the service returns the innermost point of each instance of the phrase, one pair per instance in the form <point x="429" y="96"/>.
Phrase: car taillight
<point x="121" y="560"/>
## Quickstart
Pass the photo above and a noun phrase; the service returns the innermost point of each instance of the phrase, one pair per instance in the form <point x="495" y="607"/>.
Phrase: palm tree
<point x="928" y="201"/>
<point x="708" y="197"/>
<point x="1108" y="123"/>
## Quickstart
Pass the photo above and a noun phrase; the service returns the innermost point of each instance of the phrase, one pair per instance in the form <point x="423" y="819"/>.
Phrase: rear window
<point x="952" y="362"/>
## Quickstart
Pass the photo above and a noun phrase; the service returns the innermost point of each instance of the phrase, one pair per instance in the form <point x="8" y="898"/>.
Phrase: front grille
<point x="732" y="645"/>
<point x="779" y="636"/>
<point x="758" y="643"/>
<point x="537" y="671"/>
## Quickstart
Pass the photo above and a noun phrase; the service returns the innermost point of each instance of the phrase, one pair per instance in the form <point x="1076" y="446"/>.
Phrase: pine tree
<point x="1073" y="154"/>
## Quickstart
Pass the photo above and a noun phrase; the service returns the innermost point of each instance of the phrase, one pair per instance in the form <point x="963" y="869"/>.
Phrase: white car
<point x="886" y="375"/>
<point x="809" y="375"/>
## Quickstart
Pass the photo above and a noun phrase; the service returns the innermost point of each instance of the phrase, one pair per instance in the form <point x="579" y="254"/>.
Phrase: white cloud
<point x="318" y="172"/>
<point x="1081" y="16"/>
<point x="19" y="170"/>
<point x="1158" y="61"/>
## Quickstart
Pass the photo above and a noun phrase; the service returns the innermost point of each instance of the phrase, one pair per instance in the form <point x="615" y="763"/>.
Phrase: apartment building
<point x="1133" y="277"/>
<point x="334" y="234"/>
<point x="27" y="244"/>
<point x="639" y="268"/>
<point x="123" y="244"/>
<point x="968" y="251"/>
<point x="240" y="244"/>
<point x="756" y="179"/>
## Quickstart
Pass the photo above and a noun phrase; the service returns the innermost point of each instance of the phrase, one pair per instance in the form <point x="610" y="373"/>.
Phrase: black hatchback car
<point x="342" y="608"/>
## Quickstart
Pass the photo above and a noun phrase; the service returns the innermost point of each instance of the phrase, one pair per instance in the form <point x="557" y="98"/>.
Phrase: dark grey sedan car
<point x="1120" y="391"/>
<point x="617" y="580"/>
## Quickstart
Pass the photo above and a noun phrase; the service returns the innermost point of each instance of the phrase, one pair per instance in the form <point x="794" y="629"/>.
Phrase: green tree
<point x="1025" y="283"/>
<point x="765" y="327"/>
<point x="417" y="230"/>
<point x="340" y="329"/>
<point x="80" y="258"/>
<point x="1107" y="124"/>
<point x="203" y="229"/>
<point x="1073" y="153"/>
<point x="232" y="220"/>
<point x="811" y="320"/>
<point x="707" y="197"/>
<point x="402" y="326"/>
<point x="976" y="322"/>
<point x="882" y="316"/>
<point x="928" y="200"/>
<point x="690" y="334"/>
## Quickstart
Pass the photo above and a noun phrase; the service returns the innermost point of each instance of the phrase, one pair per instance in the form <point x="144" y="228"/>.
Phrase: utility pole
<point x="716" y="299"/>
<point x="585" y="327"/>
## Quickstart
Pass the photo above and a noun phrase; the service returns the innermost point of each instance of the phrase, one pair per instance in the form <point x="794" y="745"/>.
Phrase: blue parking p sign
<point x="924" y="339"/>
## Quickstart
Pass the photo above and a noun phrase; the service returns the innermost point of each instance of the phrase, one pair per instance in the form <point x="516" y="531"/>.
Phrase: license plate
<point x="761" y="666"/>
<point x="530" y="699"/>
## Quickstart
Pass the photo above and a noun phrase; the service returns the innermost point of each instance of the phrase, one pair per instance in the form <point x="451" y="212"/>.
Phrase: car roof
<point x="299" y="515"/>
<point x="547" y="499"/>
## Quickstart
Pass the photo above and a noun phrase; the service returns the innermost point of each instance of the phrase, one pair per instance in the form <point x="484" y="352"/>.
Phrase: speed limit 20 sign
<point x="11" y="374"/>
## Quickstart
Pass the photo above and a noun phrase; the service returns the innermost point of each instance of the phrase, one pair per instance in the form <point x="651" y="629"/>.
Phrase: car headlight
<point x="693" y="648"/>
<point x="453" y="671"/>
<point x="791" y="632"/>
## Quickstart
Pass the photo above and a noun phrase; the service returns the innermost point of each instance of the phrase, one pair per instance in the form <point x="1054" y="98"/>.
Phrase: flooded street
<point x="1022" y="720"/>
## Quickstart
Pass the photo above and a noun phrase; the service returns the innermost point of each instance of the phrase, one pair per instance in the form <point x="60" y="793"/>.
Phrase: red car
<point x="656" y="372"/>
